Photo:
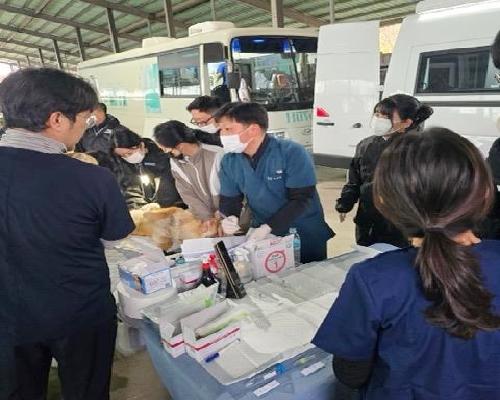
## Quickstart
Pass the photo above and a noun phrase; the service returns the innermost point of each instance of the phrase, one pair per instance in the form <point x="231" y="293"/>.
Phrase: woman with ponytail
<point x="423" y="322"/>
<point x="392" y="116"/>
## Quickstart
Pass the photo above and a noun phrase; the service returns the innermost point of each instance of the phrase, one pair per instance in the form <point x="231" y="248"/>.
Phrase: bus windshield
<point x="278" y="71"/>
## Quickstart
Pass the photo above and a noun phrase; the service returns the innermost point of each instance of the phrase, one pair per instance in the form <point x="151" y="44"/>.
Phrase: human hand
<point x="230" y="226"/>
<point x="257" y="234"/>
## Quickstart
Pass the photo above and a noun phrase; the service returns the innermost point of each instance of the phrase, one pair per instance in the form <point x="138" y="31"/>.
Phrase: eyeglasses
<point x="200" y="123"/>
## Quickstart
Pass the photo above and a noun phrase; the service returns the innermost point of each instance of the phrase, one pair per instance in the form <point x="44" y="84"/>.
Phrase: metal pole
<point x="332" y="11"/>
<point x="112" y="30"/>
<point x="28" y="61"/>
<point x="57" y="53"/>
<point x="40" y="54"/>
<point x="213" y="9"/>
<point x="169" y="18"/>
<point x="277" y="13"/>
<point x="81" y="46"/>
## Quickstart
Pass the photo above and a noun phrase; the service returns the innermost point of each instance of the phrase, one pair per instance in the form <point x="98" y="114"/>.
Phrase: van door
<point x="347" y="89"/>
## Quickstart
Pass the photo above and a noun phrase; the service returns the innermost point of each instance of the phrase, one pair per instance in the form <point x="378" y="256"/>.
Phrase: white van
<point x="152" y="84"/>
<point x="442" y="57"/>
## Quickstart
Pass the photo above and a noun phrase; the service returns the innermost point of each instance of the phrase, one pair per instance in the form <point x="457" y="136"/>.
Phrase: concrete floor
<point x="134" y="377"/>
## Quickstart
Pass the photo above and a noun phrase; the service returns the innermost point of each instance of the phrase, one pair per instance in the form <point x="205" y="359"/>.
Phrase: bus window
<point x="278" y="71"/>
<point x="179" y="73"/>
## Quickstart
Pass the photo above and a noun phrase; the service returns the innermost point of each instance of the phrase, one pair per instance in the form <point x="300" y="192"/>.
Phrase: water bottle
<point x="296" y="245"/>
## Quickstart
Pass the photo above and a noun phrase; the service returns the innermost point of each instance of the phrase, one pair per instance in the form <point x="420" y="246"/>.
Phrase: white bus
<point x="442" y="56"/>
<point x="146" y="86"/>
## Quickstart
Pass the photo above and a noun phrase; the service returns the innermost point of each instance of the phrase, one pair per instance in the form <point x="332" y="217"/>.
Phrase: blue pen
<point x="212" y="357"/>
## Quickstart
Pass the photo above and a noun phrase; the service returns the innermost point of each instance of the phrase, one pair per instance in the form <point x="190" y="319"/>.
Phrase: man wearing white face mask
<point x="277" y="177"/>
<point x="142" y="170"/>
<point x="202" y="110"/>
<point x="392" y="116"/>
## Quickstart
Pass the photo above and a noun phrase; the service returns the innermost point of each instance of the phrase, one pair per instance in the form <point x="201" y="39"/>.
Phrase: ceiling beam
<point x="113" y="36"/>
<point x="63" y="21"/>
<point x="169" y="18"/>
<point x="81" y="45"/>
<point x="178" y="8"/>
<point x="156" y="17"/>
<point x="33" y="46"/>
<point x="331" y="9"/>
<point x="277" y="15"/>
<point x="40" y="54"/>
<point x="57" y="54"/>
<point x="371" y="12"/>
<point x="22" y="53"/>
<point x="49" y="36"/>
<point x="287" y="12"/>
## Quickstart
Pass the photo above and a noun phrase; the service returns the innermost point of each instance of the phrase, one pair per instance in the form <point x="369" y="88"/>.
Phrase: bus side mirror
<point x="233" y="80"/>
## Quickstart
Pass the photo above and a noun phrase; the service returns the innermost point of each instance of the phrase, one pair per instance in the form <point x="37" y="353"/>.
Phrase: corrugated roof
<point x="29" y="25"/>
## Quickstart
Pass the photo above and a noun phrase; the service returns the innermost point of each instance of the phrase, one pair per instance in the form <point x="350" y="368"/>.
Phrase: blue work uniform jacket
<point x="282" y="165"/>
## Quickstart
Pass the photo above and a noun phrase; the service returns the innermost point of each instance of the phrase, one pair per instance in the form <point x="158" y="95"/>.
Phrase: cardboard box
<point x="146" y="275"/>
<point x="271" y="256"/>
<point x="168" y="314"/>
<point x="204" y="347"/>
<point x="186" y="276"/>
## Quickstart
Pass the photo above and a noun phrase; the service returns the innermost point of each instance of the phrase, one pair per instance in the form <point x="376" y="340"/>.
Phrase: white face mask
<point x="381" y="126"/>
<point x="212" y="128"/>
<point x="135" y="158"/>
<point x="232" y="144"/>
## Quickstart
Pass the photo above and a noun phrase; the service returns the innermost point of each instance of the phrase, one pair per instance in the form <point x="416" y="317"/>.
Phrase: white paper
<point x="266" y="388"/>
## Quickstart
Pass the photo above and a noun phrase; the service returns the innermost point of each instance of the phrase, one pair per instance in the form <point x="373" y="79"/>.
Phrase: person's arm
<point x="231" y="198"/>
<point x="167" y="194"/>
<point x="298" y="201"/>
<point x="354" y="374"/>
<point x="189" y="195"/>
<point x="351" y="190"/>
<point x="300" y="182"/>
<point x="350" y="331"/>
<point x="116" y="222"/>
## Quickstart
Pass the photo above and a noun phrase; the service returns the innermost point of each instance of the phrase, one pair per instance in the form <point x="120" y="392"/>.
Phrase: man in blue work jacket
<point x="277" y="178"/>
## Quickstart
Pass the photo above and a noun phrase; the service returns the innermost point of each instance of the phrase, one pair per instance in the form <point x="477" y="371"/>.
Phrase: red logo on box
<point x="275" y="261"/>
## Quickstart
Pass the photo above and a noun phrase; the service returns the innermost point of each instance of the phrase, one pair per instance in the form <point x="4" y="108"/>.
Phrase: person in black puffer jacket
<point x="142" y="170"/>
<point x="98" y="138"/>
<point x="393" y="115"/>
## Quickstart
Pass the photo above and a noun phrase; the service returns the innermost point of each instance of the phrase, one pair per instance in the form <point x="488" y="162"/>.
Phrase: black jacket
<point x="490" y="229"/>
<point x="98" y="138"/>
<point x="156" y="166"/>
<point x="371" y="226"/>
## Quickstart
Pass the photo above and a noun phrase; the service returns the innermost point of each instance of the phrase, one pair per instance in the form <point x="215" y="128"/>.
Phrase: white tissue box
<point x="270" y="256"/>
<point x="145" y="275"/>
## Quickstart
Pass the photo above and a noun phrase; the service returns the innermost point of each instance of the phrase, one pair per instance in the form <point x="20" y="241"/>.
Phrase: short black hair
<point x="171" y="133"/>
<point x="244" y="113"/>
<point x="103" y="107"/>
<point x="495" y="51"/>
<point x="29" y="96"/>
<point x="207" y="104"/>
<point x="125" y="138"/>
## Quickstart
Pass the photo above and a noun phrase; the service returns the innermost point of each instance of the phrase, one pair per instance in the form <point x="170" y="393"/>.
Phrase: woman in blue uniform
<point x="276" y="177"/>
<point x="422" y="322"/>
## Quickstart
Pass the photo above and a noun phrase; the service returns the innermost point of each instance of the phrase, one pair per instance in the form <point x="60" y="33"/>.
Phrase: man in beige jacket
<point x="195" y="167"/>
